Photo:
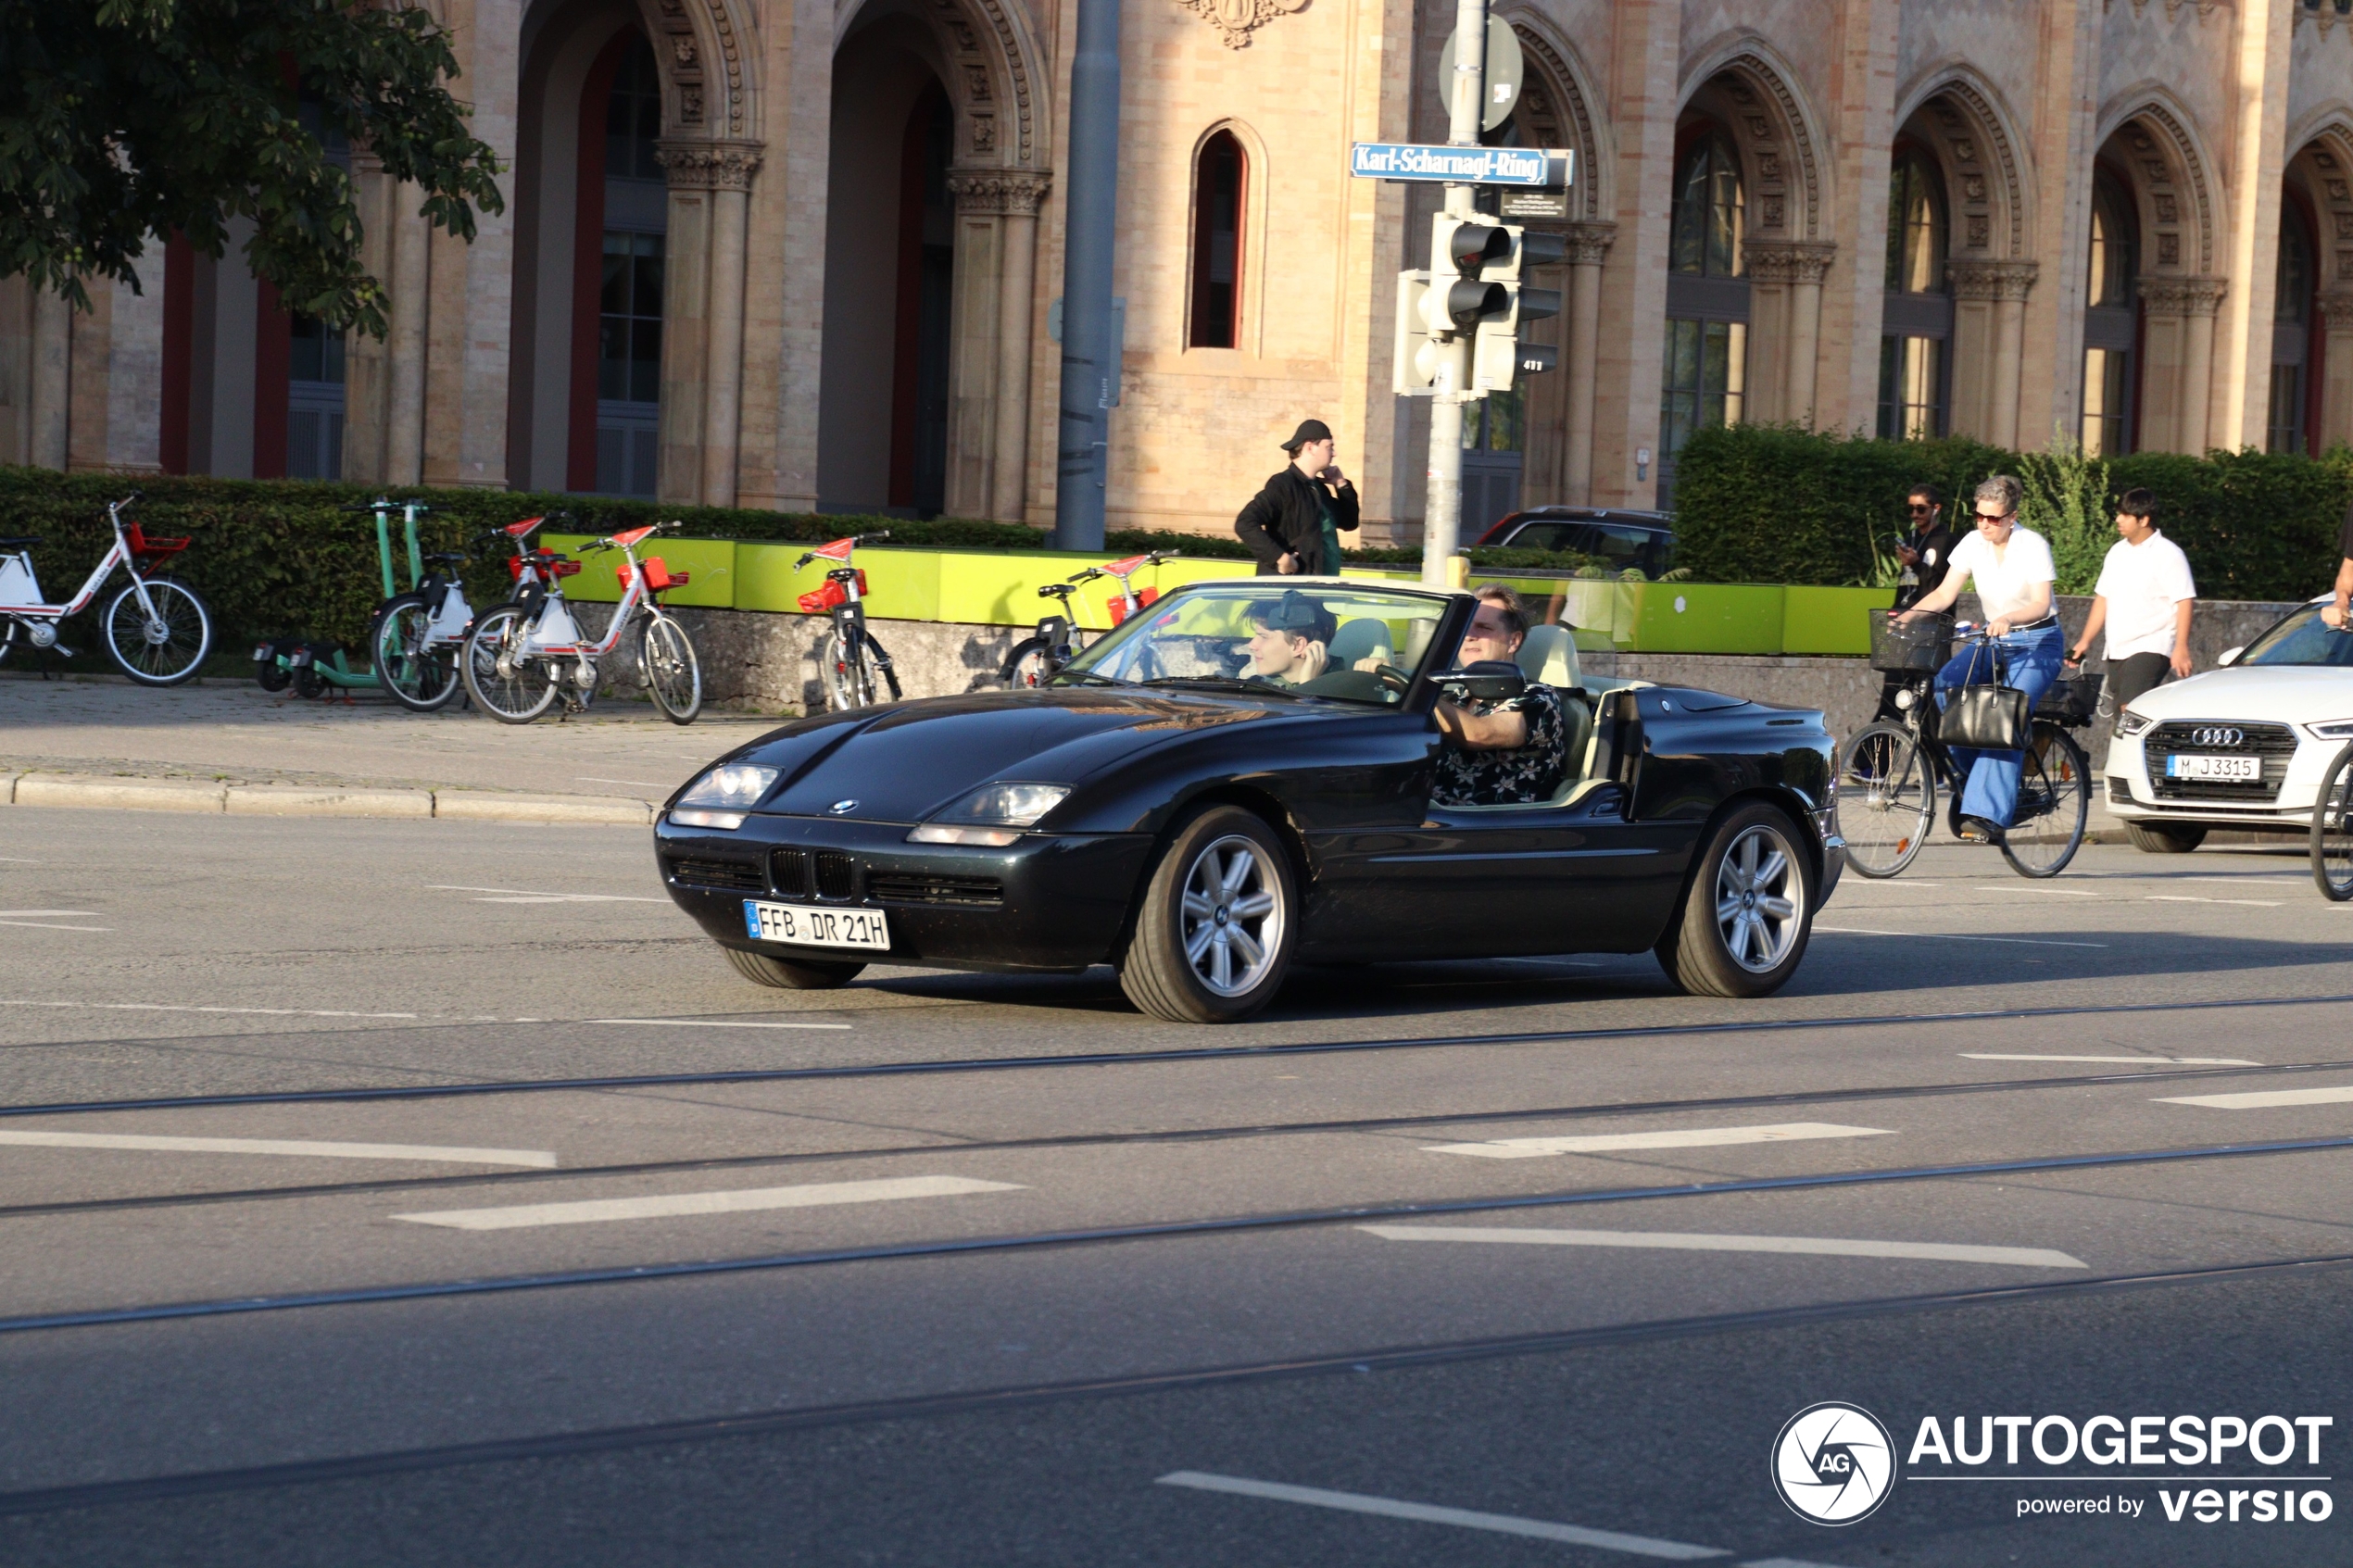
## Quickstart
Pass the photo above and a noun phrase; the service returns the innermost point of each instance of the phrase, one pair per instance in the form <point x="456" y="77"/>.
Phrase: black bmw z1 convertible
<point x="1165" y="805"/>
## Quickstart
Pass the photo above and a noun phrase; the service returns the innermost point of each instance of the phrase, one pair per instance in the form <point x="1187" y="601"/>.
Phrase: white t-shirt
<point x="2001" y="585"/>
<point x="2142" y="584"/>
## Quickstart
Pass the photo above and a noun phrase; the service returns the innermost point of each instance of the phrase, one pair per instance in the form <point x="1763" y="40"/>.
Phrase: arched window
<point x="629" y="294"/>
<point x="2111" y="318"/>
<point x="1709" y="211"/>
<point x="1216" y="317"/>
<point x="1917" y="316"/>
<point x="2291" y="330"/>
<point x="1703" y="376"/>
<point x="633" y="116"/>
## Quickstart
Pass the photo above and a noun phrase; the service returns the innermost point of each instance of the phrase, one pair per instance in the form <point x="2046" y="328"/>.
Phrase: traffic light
<point x="1459" y="295"/>
<point x="1499" y="353"/>
<point x="1414" y="352"/>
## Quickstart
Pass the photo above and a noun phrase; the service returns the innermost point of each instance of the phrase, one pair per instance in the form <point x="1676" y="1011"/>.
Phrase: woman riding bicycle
<point x="2010" y="567"/>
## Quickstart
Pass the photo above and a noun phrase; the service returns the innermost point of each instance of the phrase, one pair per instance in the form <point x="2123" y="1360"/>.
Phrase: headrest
<point x="1548" y="657"/>
<point x="1361" y="638"/>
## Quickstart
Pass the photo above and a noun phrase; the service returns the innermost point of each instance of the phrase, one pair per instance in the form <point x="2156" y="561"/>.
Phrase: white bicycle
<point x="524" y="656"/>
<point x="159" y="631"/>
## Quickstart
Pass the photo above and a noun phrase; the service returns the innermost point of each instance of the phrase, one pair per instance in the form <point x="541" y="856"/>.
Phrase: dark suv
<point x="1614" y="539"/>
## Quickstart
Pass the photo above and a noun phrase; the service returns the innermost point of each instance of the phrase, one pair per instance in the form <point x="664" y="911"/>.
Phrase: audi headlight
<point x="992" y="815"/>
<point x="720" y="797"/>
<point x="2335" y="729"/>
<point x="2132" y="724"/>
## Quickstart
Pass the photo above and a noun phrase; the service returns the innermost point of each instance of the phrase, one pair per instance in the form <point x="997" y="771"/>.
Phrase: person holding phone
<point x="1925" y="553"/>
<point x="1293" y="525"/>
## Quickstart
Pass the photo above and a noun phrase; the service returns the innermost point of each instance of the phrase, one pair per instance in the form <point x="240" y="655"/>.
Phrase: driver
<point x="1511" y="753"/>
<point x="1293" y="642"/>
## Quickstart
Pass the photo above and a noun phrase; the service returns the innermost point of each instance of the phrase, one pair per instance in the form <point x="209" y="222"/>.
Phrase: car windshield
<point x="2302" y="639"/>
<point x="1351" y="643"/>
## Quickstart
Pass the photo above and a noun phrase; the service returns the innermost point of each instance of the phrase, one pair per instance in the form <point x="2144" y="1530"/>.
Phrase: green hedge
<point x="1765" y="504"/>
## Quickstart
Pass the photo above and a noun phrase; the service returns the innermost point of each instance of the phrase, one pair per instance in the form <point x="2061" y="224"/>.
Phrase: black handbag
<point x="1987" y="718"/>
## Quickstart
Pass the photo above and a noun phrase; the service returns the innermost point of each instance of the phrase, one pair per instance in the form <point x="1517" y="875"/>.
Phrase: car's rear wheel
<point x="1749" y="909"/>
<point x="1213" y="937"/>
<point x="2164" y="838"/>
<point x="791" y="974"/>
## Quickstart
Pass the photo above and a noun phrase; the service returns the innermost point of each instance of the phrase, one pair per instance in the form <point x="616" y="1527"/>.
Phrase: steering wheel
<point x="1396" y="680"/>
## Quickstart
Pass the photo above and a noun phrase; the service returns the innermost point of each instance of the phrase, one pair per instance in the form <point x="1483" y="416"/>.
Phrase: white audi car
<point x="2243" y="746"/>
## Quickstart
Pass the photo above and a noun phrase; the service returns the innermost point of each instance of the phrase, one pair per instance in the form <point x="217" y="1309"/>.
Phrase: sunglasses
<point x="1917" y="508"/>
<point x="1993" y="517"/>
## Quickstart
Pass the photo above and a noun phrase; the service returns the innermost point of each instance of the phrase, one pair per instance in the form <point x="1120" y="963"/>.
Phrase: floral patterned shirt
<point x="1521" y="777"/>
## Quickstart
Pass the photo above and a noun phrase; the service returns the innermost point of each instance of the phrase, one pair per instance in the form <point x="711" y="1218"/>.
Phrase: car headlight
<point x="2335" y="729"/>
<point x="720" y="797"/>
<point x="993" y="815"/>
<point x="2132" y="724"/>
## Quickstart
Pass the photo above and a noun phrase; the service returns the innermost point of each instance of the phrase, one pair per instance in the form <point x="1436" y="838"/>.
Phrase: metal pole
<point x="1443" y="513"/>
<point x="1089" y="200"/>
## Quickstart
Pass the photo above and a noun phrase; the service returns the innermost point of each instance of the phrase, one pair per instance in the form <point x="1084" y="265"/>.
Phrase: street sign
<point x="1534" y="168"/>
<point x="1504" y="69"/>
<point x="1534" y="204"/>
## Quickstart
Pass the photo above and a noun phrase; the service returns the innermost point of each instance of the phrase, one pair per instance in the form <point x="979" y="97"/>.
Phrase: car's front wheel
<point x="2164" y="838"/>
<point x="1213" y="937"/>
<point x="791" y="974"/>
<point x="1747" y="916"/>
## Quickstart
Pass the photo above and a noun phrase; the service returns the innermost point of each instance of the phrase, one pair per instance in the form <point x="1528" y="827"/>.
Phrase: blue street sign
<point x="1540" y="168"/>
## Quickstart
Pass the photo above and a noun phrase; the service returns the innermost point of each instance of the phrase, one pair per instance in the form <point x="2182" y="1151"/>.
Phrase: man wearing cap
<point x="1293" y="525"/>
<point x="1291" y="643"/>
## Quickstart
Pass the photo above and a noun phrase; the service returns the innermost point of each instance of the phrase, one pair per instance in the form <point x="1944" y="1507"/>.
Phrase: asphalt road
<point x="432" y="1193"/>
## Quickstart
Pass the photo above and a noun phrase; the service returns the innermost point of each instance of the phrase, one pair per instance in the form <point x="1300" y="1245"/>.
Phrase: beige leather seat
<point x="1548" y="657"/>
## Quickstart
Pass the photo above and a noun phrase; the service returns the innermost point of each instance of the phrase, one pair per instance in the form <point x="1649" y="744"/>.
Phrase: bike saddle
<point x="18" y="543"/>
<point x="446" y="558"/>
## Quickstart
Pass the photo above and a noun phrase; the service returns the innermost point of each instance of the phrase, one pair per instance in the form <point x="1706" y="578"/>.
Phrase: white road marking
<point x="41" y="914"/>
<point x="1953" y="936"/>
<point x="1389" y="1508"/>
<point x="1680" y="1241"/>
<point x="708" y="1023"/>
<point x="2133" y="1060"/>
<point x="532" y="895"/>
<point x="173" y="1007"/>
<point x="2050" y="892"/>
<point x="591" y="778"/>
<point x="2263" y="1099"/>
<point x="45" y="925"/>
<point x="538" y="1159"/>
<point x="1679" y="1137"/>
<point x="2187" y="898"/>
<point x="809" y="1196"/>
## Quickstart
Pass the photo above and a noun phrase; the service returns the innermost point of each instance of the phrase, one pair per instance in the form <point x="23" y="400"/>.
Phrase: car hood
<point x="907" y="762"/>
<point x="2284" y="693"/>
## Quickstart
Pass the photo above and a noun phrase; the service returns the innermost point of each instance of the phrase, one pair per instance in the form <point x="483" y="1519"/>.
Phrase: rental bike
<point x="1889" y="772"/>
<point x="1032" y="662"/>
<point x="856" y="667"/>
<point x="419" y="635"/>
<point x="158" y="630"/>
<point x="522" y="656"/>
<point x="2332" y="845"/>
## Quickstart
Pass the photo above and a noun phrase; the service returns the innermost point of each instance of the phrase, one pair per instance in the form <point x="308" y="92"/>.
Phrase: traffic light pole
<point x="1090" y="198"/>
<point x="1443" y="513"/>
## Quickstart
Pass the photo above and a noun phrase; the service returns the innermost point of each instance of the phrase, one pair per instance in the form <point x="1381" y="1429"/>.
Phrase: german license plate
<point x="816" y="928"/>
<point x="2232" y="770"/>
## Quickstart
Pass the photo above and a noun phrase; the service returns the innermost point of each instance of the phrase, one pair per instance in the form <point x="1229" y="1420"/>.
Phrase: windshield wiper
<point x="1077" y="677"/>
<point x="1224" y="683"/>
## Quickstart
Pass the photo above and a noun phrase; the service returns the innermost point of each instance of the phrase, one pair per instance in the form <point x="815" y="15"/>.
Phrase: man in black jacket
<point x="1293" y="525"/>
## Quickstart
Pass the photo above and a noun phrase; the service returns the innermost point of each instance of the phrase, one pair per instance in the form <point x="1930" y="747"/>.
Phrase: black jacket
<point x="1284" y="518"/>
<point x="1935" y="549"/>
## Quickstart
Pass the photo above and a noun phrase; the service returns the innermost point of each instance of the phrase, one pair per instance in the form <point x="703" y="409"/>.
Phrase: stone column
<point x="1988" y="346"/>
<point x="1588" y="244"/>
<point x="1795" y="268"/>
<point x="367" y="365"/>
<point x="1013" y="197"/>
<point x="2333" y="387"/>
<point x="2177" y="376"/>
<point x="710" y="266"/>
<point x="52" y="377"/>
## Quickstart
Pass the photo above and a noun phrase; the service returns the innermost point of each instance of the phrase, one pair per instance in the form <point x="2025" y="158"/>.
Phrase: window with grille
<point x="629" y="364"/>
<point x="1705" y="371"/>
<point x="2111" y="319"/>
<point x="1917" y="311"/>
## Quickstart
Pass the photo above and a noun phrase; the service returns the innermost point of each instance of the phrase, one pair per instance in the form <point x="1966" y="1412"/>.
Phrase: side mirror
<point x="1485" y="679"/>
<point x="2229" y="657"/>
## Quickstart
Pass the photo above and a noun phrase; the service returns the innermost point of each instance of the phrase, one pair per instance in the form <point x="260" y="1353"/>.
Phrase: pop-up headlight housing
<point x="992" y="815"/>
<point x="720" y="797"/>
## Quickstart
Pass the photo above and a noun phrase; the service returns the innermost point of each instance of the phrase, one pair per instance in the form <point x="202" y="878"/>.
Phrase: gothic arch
<point x="989" y="62"/>
<point x="1256" y="206"/>
<point x="1988" y="169"/>
<point x="1775" y="130"/>
<point x="2170" y="177"/>
<point x="710" y="51"/>
<point x="2321" y="159"/>
<point x="1558" y="103"/>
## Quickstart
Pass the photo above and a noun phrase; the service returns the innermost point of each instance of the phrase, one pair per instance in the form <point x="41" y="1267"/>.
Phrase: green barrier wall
<point x="1830" y="621"/>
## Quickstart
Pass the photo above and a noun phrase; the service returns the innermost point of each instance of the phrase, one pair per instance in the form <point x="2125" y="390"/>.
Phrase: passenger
<point x="1293" y="642"/>
<point x="1500" y="753"/>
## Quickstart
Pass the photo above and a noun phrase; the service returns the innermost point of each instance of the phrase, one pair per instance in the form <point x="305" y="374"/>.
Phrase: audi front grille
<point x="2275" y="743"/>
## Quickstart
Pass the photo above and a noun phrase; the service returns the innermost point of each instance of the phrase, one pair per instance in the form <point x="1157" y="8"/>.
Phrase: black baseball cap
<point x="1295" y="613"/>
<point x="1309" y="429"/>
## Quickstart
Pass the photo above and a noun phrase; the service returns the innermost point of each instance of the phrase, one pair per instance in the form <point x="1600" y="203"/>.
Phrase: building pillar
<point x="2334" y="386"/>
<point x="702" y="353"/>
<point x="1011" y="198"/>
<point x="404" y="419"/>
<point x="52" y="377"/>
<point x="1989" y="346"/>
<point x="2177" y="375"/>
<point x="1794" y="271"/>
<point x="1588" y="244"/>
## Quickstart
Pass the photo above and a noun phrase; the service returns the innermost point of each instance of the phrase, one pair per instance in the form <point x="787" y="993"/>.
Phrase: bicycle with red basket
<point x="522" y="656"/>
<point x="856" y="667"/>
<point x="1033" y="660"/>
<point x="157" y="630"/>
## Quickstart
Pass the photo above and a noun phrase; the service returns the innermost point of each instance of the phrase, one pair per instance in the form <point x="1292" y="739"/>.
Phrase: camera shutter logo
<point x="1833" y="1463"/>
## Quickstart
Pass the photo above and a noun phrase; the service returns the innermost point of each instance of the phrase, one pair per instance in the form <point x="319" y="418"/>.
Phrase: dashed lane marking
<point x="715" y="1023"/>
<point x="1678" y="1137"/>
<point x="188" y="1006"/>
<point x="2132" y="1060"/>
<point x="811" y="1195"/>
<point x="37" y="919"/>
<point x="591" y="778"/>
<point x="2189" y="898"/>
<point x="1422" y="1512"/>
<point x="532" y="895"/>
<point x="1955" y="936"/>
<point x="2263" y="1099"/>
<point x="538" y="1159"/>
<point x="1681" y="1241"/>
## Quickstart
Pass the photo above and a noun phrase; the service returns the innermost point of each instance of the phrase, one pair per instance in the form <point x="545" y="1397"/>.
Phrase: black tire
<point x="674" y="676"/>
<point x="308" y="682"/>
<point x="521" y="690"/>
<point x="418" y="681"/>
<point x="1185" y="941"/>
<point x="1028" y="666"/>
<point x="2054" y="805"/>
<point x="2164" y="838"/>
<point x="2332" y="830"/>
<point x="1885" y="799"/>
<point x="171" y="650"/>
<point x="271" y="675"/>
<point x="1739" y="930"/>
<point x="880" y="656"/>
<point x="791" y="974"/>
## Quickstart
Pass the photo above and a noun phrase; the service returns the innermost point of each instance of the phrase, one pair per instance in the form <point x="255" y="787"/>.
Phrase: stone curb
<point x="287" y="800"/>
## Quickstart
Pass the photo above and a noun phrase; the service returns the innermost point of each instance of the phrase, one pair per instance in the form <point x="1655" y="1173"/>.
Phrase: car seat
<point x="1548" y="657"/>
<point x="1361" y="638"/>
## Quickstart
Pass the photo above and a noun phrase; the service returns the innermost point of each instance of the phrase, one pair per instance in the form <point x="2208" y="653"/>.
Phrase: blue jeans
<point x="2031" y="663"/>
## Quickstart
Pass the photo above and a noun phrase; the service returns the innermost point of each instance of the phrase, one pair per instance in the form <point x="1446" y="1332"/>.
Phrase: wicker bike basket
<point x="2072" y="701"/>
<point x="1917" y="646"/>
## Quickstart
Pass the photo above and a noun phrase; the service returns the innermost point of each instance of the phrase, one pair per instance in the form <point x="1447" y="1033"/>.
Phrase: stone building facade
<point x="800" y="252"/>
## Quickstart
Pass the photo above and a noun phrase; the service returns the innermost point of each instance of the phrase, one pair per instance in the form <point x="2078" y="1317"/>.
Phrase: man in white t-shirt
<point x="2010" y="567"/>
<point x="2143" y="600"/>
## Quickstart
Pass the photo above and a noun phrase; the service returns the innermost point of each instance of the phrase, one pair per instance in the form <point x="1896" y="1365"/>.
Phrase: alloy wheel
<point x="1232" y="915"/>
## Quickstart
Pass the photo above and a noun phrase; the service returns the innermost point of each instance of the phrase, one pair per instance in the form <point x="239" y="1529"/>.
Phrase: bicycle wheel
<point x="2332" y="830"/>
<point x="1885" y="799"/>
<point x="1029" y="666"/>
<point x="849" y="680"/>
<point x="673" y="677"/>
<point x="512" y="690"/>
<point x="2053" y="802"/>
<point x="166" y="648"/>
<point x="418" y="681"/>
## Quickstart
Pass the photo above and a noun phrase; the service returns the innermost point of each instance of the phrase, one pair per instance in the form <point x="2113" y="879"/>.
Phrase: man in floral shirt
<point x="1500" y="753"/>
